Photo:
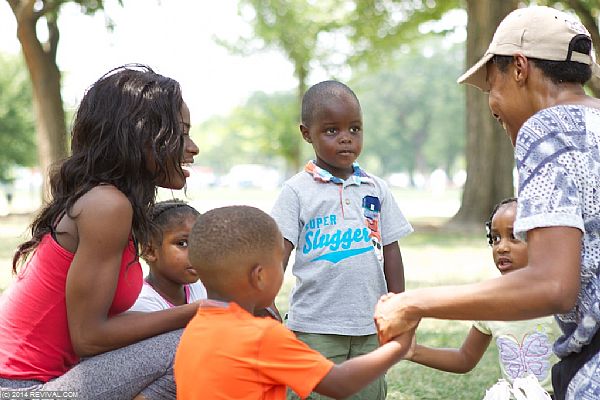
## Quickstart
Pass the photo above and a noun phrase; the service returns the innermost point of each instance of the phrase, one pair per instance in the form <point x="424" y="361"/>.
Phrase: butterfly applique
<point x="530" y="356"/>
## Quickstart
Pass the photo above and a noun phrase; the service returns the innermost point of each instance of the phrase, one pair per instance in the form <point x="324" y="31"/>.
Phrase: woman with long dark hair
<point x="62" y="322"/>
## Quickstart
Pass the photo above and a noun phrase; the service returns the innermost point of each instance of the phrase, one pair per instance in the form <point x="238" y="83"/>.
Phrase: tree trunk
<point x="45" y="78"/>
<point x="489" y="154"/>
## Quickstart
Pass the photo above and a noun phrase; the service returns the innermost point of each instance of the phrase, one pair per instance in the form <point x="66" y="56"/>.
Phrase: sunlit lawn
<point x="432" y="256"/>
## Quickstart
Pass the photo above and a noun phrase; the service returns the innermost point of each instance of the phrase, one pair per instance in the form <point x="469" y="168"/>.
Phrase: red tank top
<point x="34" y="332"/>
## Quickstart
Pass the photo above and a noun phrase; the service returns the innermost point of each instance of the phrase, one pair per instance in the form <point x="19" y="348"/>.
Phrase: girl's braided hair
<point x="166" y="213"/>
<point x="488" y="223"/>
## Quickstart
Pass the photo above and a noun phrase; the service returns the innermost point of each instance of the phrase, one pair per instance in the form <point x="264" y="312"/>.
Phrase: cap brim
<point x="477" y="74"/>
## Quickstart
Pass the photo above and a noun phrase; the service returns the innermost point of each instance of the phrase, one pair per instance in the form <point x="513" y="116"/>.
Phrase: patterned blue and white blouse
<point x="558" y="159"/>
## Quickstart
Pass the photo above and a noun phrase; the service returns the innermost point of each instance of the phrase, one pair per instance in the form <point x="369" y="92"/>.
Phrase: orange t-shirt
<point x="227" y="353"/>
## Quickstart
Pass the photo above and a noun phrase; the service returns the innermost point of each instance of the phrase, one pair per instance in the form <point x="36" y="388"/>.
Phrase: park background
<point x="243" y="66"/>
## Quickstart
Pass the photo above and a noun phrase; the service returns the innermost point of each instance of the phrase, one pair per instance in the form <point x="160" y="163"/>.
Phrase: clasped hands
<point x="393" y="320"/>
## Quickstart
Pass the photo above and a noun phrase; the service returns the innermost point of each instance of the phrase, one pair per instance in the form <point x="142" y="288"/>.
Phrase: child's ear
<point x="149" y="253"/>
<point x="305" y="133"/>
<point x="257" y="277"/>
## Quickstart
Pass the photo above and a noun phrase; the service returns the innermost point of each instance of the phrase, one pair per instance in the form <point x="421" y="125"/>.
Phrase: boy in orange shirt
<point x="227" y="353"/>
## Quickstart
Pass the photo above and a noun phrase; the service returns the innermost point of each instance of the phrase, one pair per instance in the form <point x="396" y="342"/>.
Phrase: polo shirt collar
<point x="319" y="174"/>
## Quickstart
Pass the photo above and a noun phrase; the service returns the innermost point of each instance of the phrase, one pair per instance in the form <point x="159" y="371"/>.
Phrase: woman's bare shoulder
<point x="103" y="201"/>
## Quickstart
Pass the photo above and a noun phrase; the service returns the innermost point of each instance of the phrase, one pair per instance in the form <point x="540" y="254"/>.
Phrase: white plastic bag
<point x="527" y="388"/>
<point x="500" y="391"/>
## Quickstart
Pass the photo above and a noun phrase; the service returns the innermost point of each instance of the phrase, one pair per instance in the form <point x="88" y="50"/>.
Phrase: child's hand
<point x="411" y="350"/>
<point x="382" y="299"/>
<point x="408" y="342"/>
<point x="391" y="317"/>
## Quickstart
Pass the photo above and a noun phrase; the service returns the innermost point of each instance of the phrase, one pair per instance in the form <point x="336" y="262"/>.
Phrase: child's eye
<point x="182" y="243"/>
<point x="355" y="129"/>
<point x="330" y="131"/>
<point x="495" y="238"/>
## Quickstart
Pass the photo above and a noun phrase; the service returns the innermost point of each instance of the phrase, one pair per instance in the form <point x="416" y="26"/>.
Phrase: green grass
<point x="409" y="381"/>
<point x="432" y="256"/>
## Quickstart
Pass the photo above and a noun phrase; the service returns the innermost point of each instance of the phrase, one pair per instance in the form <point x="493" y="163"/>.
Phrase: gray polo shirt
<point x="338" y="231"/>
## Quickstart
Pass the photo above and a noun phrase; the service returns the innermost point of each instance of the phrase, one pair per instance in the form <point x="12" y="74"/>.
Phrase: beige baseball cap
<point x="536" y="32"/>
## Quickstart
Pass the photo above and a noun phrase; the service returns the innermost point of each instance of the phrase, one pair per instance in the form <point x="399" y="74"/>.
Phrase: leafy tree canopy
<point x="413" y="118"/>
<point x="413" y="113"/>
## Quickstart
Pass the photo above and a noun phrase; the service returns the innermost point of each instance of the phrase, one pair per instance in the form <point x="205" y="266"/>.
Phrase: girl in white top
<point x="171" y="281"/>
<point x="524" y="347"/>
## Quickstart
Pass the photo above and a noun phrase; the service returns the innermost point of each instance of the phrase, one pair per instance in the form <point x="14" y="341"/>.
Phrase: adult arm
<point x="103" y="221"/>
<point x="548" y="285"/>
<point x="393" y="268"/>
<point x="460" y="360"/>
<point x="352" y="375"/>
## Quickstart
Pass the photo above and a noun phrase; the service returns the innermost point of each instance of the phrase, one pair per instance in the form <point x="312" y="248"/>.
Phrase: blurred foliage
<point x="379" y="27"/>
<point x="403" y="93"/>
<point x="413" y="117"/>
<point x="295" y="27"/>
<point x="50" y="9"/>
<point x="17" y="129"/>
<point x="330" y="35"/>
<point x="257" y="132"/>
<point x="273" y="120"/>
<point x="413" y="114"/>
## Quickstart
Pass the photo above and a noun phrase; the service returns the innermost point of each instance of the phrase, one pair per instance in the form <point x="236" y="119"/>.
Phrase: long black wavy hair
<point x="128" y="115"/>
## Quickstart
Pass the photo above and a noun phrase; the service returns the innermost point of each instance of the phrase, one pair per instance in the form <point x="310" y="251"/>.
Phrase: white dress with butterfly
<point x="524" y="347"/>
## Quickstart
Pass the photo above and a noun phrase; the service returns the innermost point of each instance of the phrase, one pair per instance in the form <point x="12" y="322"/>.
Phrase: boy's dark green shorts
<point x="339" y="348"/>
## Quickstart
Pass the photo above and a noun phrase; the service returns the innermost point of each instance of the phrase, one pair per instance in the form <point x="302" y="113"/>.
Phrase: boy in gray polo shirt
<point x="344" y="225"/>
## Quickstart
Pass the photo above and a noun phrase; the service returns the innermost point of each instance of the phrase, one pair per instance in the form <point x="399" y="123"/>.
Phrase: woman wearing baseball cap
<point x="534" y="71"/>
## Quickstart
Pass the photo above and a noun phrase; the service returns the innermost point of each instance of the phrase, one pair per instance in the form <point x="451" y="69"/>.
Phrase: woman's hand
<point x="392" y="316"/>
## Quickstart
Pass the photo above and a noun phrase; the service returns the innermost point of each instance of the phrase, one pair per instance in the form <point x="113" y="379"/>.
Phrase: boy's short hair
<point x="314" y="96"/>
<point x="231" y="233"/>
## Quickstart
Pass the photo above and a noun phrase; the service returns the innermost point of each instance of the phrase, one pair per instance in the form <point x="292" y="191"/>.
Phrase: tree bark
<point x="45" y="78"/>
<point x="489" y="154"/>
